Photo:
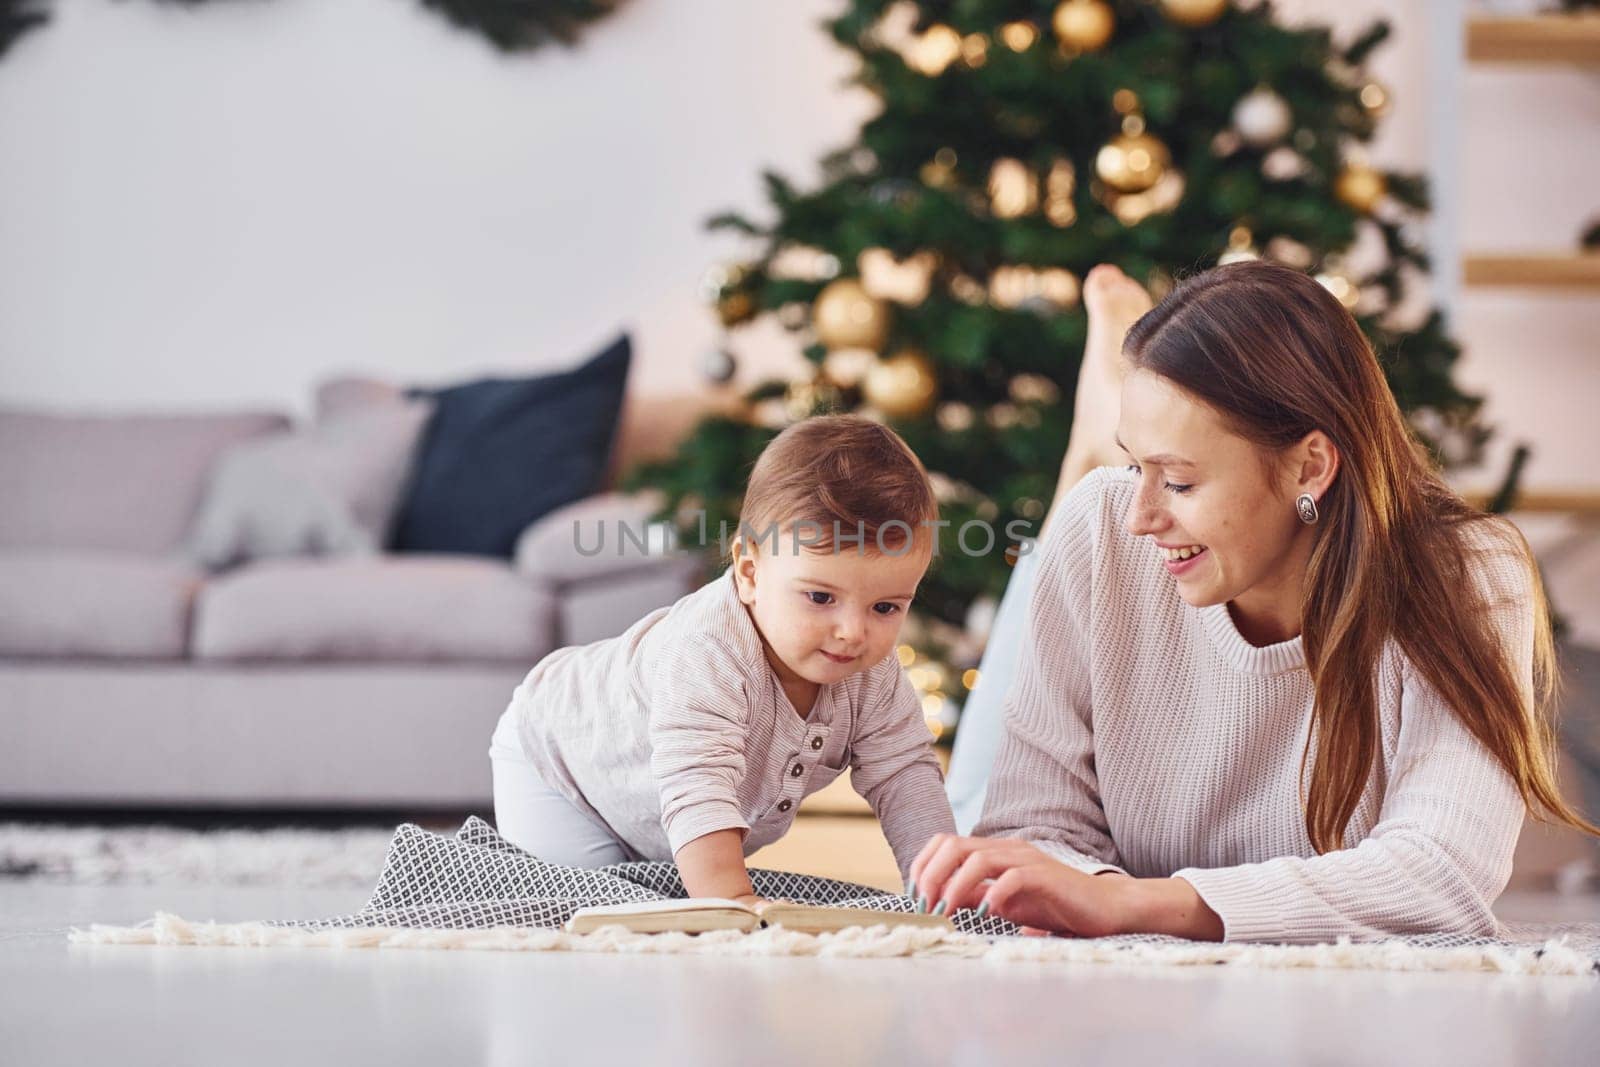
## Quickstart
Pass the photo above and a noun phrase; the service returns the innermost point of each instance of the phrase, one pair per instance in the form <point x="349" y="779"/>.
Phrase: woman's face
<point x="1223" y="521"/>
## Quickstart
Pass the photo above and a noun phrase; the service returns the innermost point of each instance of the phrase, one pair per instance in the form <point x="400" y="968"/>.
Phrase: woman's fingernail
<point x="911" y="889"/>
<point x="940" y="907"/>
<point x="983" y="909"/>
<point x="922" y="905"/>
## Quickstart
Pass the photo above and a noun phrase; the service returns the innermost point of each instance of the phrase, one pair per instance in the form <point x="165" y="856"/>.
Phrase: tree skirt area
<point x="475" y="890"/>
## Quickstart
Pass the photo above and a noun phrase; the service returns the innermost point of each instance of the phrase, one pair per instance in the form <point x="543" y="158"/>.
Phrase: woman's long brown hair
<point x="1278" y="356"/>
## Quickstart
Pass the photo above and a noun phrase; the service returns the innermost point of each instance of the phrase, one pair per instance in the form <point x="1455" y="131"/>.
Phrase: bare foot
<point x="1114" y="302"/>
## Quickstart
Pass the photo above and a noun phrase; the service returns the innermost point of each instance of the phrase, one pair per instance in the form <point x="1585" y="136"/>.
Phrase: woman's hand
<point x="1021" y="884"/>
<point x="1042" y="894"/>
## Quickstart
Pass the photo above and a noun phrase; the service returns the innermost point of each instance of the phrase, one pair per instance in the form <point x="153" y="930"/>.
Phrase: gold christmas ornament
<point x="1083" y="25"/>
<point x="1360" y="187"/>
<point x="939" y="173"/>
<point x="1013" y="189"/>
<point x="1194" y="12"/>
<point x="1132" y="161"/>
<point x="735" y="308"/>
<point x="847" y="316"/>
<point x="903" y="386"/>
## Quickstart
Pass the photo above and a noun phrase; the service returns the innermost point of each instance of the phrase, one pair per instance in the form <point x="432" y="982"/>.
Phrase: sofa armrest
<point x="598" y="538"/>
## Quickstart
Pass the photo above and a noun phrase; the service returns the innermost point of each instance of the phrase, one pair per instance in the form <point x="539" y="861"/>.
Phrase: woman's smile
<point x="1181" y="559"/>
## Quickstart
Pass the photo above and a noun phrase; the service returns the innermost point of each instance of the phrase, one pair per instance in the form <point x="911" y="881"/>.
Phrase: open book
<point x="700" y="914"/>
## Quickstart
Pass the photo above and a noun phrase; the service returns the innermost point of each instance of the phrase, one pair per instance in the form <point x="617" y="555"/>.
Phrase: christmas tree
<point x="933" y="279"/>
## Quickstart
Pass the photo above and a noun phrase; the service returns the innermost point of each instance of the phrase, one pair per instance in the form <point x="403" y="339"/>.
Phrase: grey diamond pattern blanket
<point x="477" y="879"/>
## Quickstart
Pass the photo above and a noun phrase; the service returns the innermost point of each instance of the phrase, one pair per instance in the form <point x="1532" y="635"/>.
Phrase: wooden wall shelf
<point x="1546" y="501"/>
<point x="1576" y="270"/>
<point x="1534" y="39"/>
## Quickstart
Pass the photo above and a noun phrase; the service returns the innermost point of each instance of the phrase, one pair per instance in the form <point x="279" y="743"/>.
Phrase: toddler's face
<point x="827" y="614"/>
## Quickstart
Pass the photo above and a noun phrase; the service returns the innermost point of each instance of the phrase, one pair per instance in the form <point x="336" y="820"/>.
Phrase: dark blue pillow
<point x="500" y="453"/>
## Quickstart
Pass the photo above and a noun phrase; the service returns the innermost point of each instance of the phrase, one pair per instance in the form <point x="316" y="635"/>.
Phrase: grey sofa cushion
<point x="435" y="608"/>
<point x="92" y="604"/>
<point x="597" y="537"/>
<point x="129" y="483"/>
<point x="330" y="488"/>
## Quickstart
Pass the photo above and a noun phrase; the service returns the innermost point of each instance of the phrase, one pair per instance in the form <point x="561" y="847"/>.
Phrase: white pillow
<point x="329" y="488"/>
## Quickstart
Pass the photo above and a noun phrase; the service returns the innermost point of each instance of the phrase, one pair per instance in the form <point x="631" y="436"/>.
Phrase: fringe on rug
<point x="1552" y="958"/>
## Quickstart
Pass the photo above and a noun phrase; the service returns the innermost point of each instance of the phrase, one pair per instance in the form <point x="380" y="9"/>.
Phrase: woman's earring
<point x="1306" y="507"/>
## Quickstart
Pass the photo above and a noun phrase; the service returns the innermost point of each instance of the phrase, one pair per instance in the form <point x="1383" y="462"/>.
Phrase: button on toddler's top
<point x="679" y="727"/>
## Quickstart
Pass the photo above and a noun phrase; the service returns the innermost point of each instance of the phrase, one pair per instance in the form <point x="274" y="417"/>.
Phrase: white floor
<point x="127" y="1005"/>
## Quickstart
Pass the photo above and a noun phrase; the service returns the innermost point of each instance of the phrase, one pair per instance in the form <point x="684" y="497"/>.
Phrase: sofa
<point x="131" y="676"/>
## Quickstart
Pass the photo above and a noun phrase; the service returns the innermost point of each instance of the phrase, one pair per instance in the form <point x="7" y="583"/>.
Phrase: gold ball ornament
<point x="1083" y="25"/>
<point x="1132" y="162"/>
<point x="847" y="316"/>
<point x="903" y="386"/>
<point x="735" y="307"/>
<point x="1360" y="187"/>
<point x="1194" y="12"/>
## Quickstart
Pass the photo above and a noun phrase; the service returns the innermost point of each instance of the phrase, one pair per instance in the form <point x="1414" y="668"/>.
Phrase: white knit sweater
<point x="679" y="727"/>
<point x="1146" y="735"/>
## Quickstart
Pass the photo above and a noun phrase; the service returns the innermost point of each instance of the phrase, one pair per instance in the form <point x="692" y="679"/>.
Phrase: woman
<point x="1278" y="681"/>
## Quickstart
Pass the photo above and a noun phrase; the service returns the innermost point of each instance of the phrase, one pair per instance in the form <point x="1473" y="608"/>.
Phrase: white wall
<point x="222" y="206"/>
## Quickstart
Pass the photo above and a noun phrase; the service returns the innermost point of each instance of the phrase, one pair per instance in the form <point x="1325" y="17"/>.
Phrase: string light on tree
<point x="975" y="50"/>
<point x="1013" y="189"/>
<point x="1083" y="25"/>
<point x="846" y="367"/>
<point x="1019" y="36"/>
<point x="803" y="398"/>
<point x="1333" y="279"/>
<point x="904" y="281"/>
<point x="934" y="51"/>
<point x="1059" y="184"/>
<point x="1241" y="247"/>
<point x="1375" y="98"/>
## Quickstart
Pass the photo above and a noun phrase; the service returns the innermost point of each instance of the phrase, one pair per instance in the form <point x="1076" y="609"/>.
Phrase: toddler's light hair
<point x="845" y="470"/>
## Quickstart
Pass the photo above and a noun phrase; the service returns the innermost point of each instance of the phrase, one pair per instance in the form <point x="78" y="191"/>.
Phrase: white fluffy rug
<point x="286" y="858"/>
<point x="1553" y="958"/>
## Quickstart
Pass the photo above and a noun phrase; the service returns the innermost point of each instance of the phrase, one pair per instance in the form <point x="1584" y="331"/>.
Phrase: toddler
<point x="694" y="735"/>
